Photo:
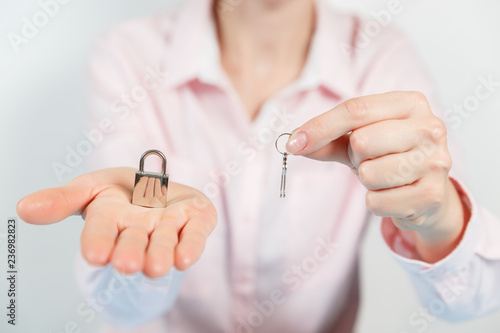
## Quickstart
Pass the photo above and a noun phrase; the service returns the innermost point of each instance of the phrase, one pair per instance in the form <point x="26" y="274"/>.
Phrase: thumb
<point x="55" y="204"/>
<point x="337" y="150"/>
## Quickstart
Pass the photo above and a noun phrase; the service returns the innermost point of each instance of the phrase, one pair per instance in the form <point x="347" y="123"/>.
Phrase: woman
<point x="212" y="84"/>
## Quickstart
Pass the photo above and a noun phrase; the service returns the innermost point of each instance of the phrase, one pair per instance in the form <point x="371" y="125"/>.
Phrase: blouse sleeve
<point x="464" y="284"/>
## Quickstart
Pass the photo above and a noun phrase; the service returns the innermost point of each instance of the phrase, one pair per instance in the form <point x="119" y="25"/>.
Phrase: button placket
<point x="244" y="229"/>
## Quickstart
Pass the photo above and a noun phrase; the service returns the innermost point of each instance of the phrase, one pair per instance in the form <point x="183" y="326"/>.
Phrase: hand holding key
<point x="376" y="135"/>
<point x="132" y="238"/>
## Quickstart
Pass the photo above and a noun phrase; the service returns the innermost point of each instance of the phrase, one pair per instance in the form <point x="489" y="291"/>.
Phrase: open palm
<point x="132" y="238"/>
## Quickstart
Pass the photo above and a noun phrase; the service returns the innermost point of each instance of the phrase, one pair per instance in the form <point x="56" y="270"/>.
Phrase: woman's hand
<point x="132" y="238"/>
<point x="398" y="149"/>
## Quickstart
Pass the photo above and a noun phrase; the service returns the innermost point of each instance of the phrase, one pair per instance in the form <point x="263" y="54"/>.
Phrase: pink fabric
<point x="158" y="80"/>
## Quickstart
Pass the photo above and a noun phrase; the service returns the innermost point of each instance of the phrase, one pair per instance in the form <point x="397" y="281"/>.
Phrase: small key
<point x="283" y="177"/>
<point x="283" y="168"/>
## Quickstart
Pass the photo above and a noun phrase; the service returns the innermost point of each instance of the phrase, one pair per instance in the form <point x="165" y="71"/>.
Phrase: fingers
<point x="334" y="151"/>
<point x="160" y="252"/>
<point x="55" y="204"/>
<point x="369" y="142"/>
<point x="140" y="189"/>
<point x="408" y="202"/>
<point x="192" y="241"/>
<point x="129" y="252"/>
<point x="382" y="138"/>
<point x="98" y="239"/>
<point x="391" y="171"/>
<point x="157" y="193"/>
<point x="150" y="187"/>
<point x="351" y="115"/>
<point x="147" y="240"/>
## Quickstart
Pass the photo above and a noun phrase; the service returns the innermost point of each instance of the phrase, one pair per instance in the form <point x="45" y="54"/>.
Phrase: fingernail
<point x="296" y="143"/>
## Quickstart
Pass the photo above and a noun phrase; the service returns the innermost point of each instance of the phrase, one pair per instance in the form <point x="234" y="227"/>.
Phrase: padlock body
<point x="150" y="189"/>
<point x="163" y="177"/>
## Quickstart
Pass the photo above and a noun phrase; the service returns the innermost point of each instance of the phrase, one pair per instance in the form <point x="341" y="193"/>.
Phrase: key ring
<point x="276" y="143"/>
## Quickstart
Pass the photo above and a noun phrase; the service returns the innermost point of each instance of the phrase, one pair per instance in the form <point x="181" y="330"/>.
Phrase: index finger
<point x="351" y="115"/>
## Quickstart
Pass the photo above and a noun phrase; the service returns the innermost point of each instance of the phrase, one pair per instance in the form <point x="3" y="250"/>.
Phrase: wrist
<point x="446" y="229"/>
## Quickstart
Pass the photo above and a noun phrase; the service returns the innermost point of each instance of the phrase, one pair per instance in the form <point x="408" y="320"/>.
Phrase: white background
<point x="42" y="107"/>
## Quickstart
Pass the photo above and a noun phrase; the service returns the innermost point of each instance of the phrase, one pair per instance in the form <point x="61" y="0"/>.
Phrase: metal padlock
<point x="150" y="188"/>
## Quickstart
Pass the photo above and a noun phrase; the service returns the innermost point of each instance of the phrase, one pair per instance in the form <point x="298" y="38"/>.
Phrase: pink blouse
<point x="271" y="265"/>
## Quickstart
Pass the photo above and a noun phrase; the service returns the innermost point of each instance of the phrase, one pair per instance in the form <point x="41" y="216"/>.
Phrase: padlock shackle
<point x="153" y="152"/>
